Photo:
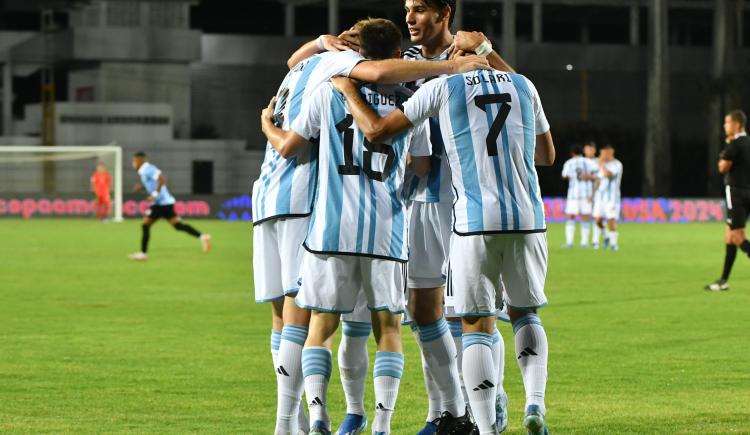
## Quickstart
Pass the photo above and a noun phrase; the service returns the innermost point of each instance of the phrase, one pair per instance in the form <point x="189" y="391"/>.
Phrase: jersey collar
<point x="738" y="135"/>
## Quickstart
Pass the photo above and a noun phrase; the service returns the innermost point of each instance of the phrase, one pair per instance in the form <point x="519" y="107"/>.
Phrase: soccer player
<point x="162" y="206"/>
<point x="358" y="191"/>
<point x="580" y="173"/>
<point x="734" y="163"/>
<point x="282" y="203"/>
<point x="101" y="185"/>
<point x="607" y="199"/>
<point x="494" y="131"/>
<point x="429" y="24"/>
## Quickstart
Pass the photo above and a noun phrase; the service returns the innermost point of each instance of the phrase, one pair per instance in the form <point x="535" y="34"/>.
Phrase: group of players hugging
<point x="400" y="188"/>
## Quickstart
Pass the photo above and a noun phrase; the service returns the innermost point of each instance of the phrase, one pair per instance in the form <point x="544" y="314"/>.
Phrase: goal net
<point x="56" y="180"/>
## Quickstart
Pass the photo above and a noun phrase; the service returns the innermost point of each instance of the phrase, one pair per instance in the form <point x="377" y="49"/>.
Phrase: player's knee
<point x="146" y="226"/>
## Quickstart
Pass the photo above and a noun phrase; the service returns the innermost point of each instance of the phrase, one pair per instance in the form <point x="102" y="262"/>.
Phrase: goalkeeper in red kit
<point x="101" y="186"/>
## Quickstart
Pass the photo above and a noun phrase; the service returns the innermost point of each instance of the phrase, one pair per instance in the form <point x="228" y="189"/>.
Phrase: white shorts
<point x="361" y="313"/>
<point x="481" y="265"/>
<point x="277" y="257"/>
<point x="577" y="207"/>
<point x="333" y="283"/>
<point x="429" y="239"/>
<point x="607" y="210"/>
<point x="450" y="310"/>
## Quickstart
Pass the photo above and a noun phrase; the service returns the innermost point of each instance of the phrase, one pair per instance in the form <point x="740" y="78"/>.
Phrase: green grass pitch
<point x="93" y="343"/>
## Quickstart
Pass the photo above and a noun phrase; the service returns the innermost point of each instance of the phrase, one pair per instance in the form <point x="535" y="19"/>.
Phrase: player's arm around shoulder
<point x="348" y="40"/>
<point x="374" y="127"/>
<point x="389" y="71"/>
<point x="286" y="143"/>
<point x="477" y="43"/>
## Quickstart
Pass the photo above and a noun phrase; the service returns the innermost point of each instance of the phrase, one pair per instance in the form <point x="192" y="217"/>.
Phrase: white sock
<point x="316" y="366"/>
<point x="353" y="365"/>
<point x="585" y="227"/>
<point x="440" y="353"/>
<point x="275" y="341"/>
<point x="597" y="234"/>
<point x="531" y="352"/>
<point x="289" y="379"/>
<point x="456" y="327"/>
<point x="570" y="231"/>
<point x="479" y="374"/>
<point x="606" y="233"/>
<point x="498" y="357"/>
<point x="389" y="367"/>
<point x="434" y="408"/>
<point x="613" y="238"/>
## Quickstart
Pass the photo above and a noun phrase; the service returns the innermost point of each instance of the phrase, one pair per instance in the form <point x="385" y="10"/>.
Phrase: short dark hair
<point x="379" y="38"/>
<point x="608" y="147"/>
<point x="576" y="150"/>
<point x="738" y="116"/>
<point x="140" y="154"/>
<point x="441" y="4"/>
<point x="590" y="143"/>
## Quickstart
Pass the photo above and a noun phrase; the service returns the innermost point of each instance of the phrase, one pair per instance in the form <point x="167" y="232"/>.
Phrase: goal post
<point x="28" y="154"/>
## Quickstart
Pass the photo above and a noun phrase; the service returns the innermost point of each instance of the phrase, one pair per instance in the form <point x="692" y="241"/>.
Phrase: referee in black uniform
<point x="734" y="163"/>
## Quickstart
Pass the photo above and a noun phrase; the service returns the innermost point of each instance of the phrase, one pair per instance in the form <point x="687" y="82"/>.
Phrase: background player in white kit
<point x="492" y="123"/>
<point x="607" y="199"/>
<point x="282" y="202"/>
<point x="580" y="173"/>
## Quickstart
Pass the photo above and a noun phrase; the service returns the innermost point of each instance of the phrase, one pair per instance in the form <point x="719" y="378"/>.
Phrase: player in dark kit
<point x="162" y="206"/>
<point x="734" y="163"/>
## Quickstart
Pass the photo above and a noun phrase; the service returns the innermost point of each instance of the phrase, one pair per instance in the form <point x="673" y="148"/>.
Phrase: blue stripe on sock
<point x="473" y="338"/>
<point x="316" y="361"/>
<point x="357" y="329"/>
<point x="433" y="331"/>
<point x="457" y="328"/>
<point x="389" y="364"/>
<point x="275" y="339"/>
<point x="496" y="337"/>
<point x="528" y="319"/>
<point x="295" y="334"/>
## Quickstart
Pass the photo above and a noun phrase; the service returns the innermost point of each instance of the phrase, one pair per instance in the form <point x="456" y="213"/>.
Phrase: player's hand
<point x="350" y="38"/>
<point x="334" y="43"/>
<point x="454" y="54"/>
<point x="469" y="63"/>
<point x="344" y="84"/>
<point x="468" y="41"/>
<point x="267" y="113"/>
<point x="151" y="198"/>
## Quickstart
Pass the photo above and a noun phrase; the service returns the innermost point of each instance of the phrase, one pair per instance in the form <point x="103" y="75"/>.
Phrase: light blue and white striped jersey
<point x="149" y="175"/>
<point x="359" y="207"/>
<point x="489" y="122"/>
<point x="436" y="186"/>
<point x="609" y="187"/>
<point x="577" y="188"/>
<point x="285" y="187"/>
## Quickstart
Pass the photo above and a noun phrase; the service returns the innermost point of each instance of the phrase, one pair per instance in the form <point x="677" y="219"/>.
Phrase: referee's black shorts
<point x="738" y="206"/>
<point x="156" y="212"/>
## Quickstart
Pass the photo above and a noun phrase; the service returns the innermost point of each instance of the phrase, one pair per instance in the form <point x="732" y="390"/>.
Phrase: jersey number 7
<point x="482" y="101"/>
<point x="349" y="168"/>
